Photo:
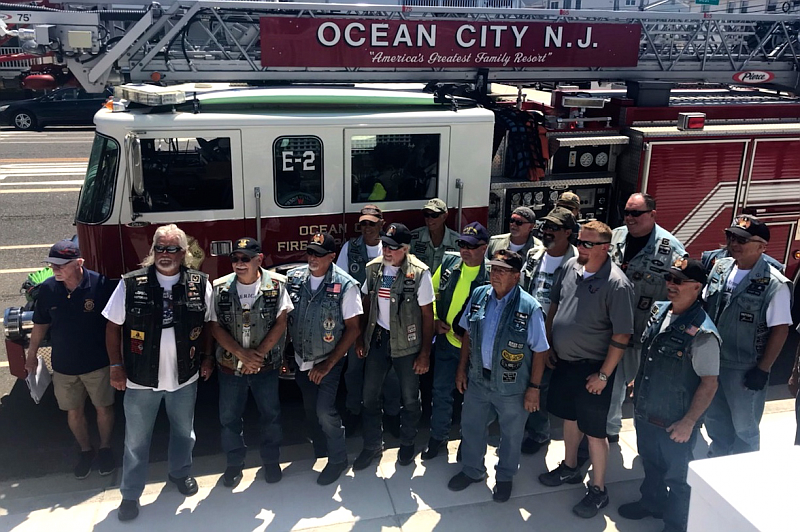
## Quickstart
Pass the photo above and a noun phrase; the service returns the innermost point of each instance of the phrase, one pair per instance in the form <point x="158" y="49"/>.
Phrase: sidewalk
<point x="385" y="497"/>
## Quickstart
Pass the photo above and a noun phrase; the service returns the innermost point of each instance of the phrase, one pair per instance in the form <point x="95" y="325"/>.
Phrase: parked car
<point x="69" y="106"/>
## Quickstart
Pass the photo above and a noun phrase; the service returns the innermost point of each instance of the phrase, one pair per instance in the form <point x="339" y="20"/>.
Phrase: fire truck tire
<point x="25" y="120"/>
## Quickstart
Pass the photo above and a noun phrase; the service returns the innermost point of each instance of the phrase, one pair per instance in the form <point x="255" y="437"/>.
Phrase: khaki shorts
<point x="71" y="390"/>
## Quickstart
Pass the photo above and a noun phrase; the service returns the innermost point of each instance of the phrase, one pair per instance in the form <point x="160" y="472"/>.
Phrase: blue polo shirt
<point x="77" y="327"/>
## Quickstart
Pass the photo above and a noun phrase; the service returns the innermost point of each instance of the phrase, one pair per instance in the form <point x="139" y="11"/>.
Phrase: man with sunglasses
<point x="355" y="255"/>
<point x="541" y="267"/>
<point x="503" y="334"/>
<point x="572" y="202"/>
<point x="398" y="331"/>
<point x="676" y="382"/>
<point x="251" y="306"/>
<point x="520" y="239"/>
<point x="589" y="325"/>
<point x="709" y="258"/>
<point x="644" y="250"/>
<point x="68" y="306"/>
<point x="453" y="283"/>
<point x="323" y="326"/>
<point x="750" y="302"/>
<point x="156" y="339"/>
<point x="430" y="243"/>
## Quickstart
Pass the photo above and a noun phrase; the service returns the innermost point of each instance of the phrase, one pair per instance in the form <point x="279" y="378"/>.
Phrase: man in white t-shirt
<point x="156" y="341"/>
<point x="398" y="331"/>
<point x="251" y="305"/>
<point x="520" y="238"/>
<point x="323" y="326"/>
<point x="750" y="303"/>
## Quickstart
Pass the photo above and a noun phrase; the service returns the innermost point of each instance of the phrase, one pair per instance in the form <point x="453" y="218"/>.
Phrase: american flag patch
<point x="385" y="291"/>
<point x="334" y="288"/>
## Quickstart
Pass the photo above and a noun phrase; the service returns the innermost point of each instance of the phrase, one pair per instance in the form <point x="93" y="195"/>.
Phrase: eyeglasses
<point x="393" y="248"/>
<point x="158" y="248"/>
<point x="739" y="239"/>
<point x="467" y="245"/>
<point x="315" y="253"/>
<point x="432" y="214"/>
<point x="367" y="223"/>
<point x="589" y="245"/>
<point x="240" y="258"/>
<point x="551" y="227"/>
<point x="635" y="214"/>
<point x="517" y="221"/>
<point x="54" y="266"/>
<point x="677" y="280"/>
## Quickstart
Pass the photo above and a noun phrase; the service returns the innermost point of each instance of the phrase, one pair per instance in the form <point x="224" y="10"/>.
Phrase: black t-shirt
<point x="633" y="245"/>
<point x="77" y="327"/>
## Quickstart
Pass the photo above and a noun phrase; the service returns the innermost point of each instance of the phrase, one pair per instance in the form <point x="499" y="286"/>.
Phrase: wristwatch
<point x="534" y="386"/>
<point x="602" y="376"/>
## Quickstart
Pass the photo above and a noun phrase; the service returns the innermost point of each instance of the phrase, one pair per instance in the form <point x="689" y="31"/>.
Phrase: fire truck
<point x="331" y="106"/>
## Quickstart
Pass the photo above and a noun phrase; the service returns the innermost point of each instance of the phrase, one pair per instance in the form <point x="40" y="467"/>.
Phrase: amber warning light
<point x="691" y="121"/>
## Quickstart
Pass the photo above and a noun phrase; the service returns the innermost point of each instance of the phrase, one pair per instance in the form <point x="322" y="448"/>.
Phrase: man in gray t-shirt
<point x="589" y="324"/>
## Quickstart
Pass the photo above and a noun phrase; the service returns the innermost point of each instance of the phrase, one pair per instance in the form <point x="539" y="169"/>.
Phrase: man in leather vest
<point x="429" y="243"/>
<point x="750" y="303"/>
<point x="398" y="331"/>
<point x="323" y="326"/>
<point x="453" y="282"/>
<point x="676" y="382"/>
<point x="644" y="250"/>
<point x="353" y="259"/>
<point x="503" y="332"/>
<point x="251" y="306"/>
<point x="156" y="340"/>
<point x="520" y="239"/>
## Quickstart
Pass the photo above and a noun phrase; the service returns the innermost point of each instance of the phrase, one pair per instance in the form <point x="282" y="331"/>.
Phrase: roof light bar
<point x="150" y="95"/>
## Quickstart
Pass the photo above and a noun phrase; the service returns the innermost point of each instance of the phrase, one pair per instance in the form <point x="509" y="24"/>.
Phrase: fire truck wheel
<point x="25" y="120"/>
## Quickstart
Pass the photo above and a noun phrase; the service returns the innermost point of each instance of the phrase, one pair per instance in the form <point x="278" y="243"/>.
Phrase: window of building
<point x="394" y="167"/>
<point x="745" y="5"/>
<point x="731" y="7"/>
<point x="772" y="6"/>
<point x="298" y="171"/>
<point x="630" y="2"/>
<point x="705" y="8"/>
<point x="553" y="5"/>
<point x="185" y="174"/>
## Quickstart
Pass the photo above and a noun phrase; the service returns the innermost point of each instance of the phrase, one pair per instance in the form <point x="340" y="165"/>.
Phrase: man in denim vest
<point x="323" y="326"/>
<point x="251" y="307"/>
<point x="503" y="332"/>
<point x="676" y="382"/>
<point x="431" y="242"/>
<point x="750" y="302"/>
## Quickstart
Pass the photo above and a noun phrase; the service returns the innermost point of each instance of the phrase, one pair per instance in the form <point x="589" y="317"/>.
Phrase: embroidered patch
<point x="644" y="303"/>
<point x="137" y="335"/>
<point x="747" y="317"/>
<point x="195" y="333"/>
<point x="88" y="305"/>
<point x="328" y="324"/>
<point x="509" y="377"/>
<point x="411" y="328"/>
<point x="512" y="357"/>
<point x="420" y="248"/>
<point x="510" y="366"/>
<point x="657" y="262"/>
<point x="408" y="282"/>
<point x="515" y="345"/>
<point x="194" y="278"/>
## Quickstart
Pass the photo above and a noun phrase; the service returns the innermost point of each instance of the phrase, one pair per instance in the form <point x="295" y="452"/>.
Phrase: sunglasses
<point x="240" y="258"/>
<point x="467" y="245"/>
<point x="315" y="253"/>
<point x="59" y="266"/>
<point x="432" y="214"/>
<point x="517" y="221"/>
<point x="367" y="223"/>
<point x="551" y="227"/>
<point x="738" y="239"/>
<point x="589" y="245"/>
<point x="635" y="214"/>
<point x="677" y="280"/>
<point x="158" y="248"/>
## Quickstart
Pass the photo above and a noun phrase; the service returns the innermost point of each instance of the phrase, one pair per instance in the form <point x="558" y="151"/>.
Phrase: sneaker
<point x="128" y="510"/>
<point x="232" y="476"/>
<point x="272" y="473"/>
<point x="405" y="455"/>
<point x="560" y="475"/>
<point x="434" y="446"/>
<point x="366" y="457"/>
<point x="186" y="485"/>
<point x="635" y="511"/>
<point x="105" y="461"/>
<point x="502" y="491"/>
<point x="591" y="503"/>
<point x="331" y="473"/>
<point x="461" y="482"/>
<point x="531" y="446"/>
<point x="391" y="424"/>
<point x="84" y="466"/>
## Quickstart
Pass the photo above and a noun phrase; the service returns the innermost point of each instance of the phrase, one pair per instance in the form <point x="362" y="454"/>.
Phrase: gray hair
<point x="167" y="231"/>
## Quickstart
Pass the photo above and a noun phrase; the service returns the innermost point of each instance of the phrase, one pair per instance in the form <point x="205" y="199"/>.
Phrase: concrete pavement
<point x="385" y="497"/>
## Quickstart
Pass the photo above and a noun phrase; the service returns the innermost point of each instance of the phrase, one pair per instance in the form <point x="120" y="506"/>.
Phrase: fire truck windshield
<point x="97" y="195"/>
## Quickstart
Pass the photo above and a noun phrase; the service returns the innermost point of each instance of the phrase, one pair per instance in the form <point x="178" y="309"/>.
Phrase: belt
<point x="487" y="373"/>
<point x="581" y="361"/>
<point x="378" y="335"/>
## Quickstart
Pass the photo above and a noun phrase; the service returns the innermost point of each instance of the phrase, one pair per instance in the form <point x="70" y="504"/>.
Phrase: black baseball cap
<point x="562" y="217"/>
<point x="322" y="243"/>
<point x="62" y="252"/>
<point x="747" y="226"/>
<point x="505" y="258"/>
<point x="397" y="235"/>
<point x="474" y="234"/>
<point x="525" y="212"/>
<point x="247" y="246"/>
<point x="689" y="270"/>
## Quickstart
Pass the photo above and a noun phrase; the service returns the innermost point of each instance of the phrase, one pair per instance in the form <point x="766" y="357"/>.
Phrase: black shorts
<point x="569" y="399"/>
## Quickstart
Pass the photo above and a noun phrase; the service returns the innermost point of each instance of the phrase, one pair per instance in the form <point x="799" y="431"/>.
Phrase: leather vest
<point x="357" y="259"/>
<point x="533" y="263"/>
<point x="499" y="242"/>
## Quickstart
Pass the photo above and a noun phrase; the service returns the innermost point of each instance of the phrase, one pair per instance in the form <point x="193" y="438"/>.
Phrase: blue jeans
<point x="444" y="384"/>
<point x="538" y="424"/>
<point x="733" y="417"/>
<point x="378" y="363"/>
<point x="232" y="401"/>
<point x="319" y="401"/>
<point x="665" y="462"/>
<point x="480" y="407"/>
<point x="354" y="382"/>
<point x="141" y="409"/>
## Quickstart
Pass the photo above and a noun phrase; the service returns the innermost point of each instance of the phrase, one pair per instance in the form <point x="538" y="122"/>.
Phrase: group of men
<point x="522" y="327"/>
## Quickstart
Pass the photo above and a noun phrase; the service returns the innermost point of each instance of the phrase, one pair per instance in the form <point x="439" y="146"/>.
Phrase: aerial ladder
<point x="93" y="44"/>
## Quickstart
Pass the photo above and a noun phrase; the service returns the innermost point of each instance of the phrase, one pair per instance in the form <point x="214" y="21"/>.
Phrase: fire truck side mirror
<point x="133" y="147"/>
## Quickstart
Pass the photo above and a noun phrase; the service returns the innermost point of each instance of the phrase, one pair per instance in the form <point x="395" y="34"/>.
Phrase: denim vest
<point x="260" y="317"/>
<point x="316" y="324"/>
<point x="709" y="258"/>
<point x="405" y="322"/>
<point x="449" y="274"/>
<point x="144" y="309"/>
<point x="533" y="263"/>
<point x="499" y="242"/>
<point x="666" y="381"/>
<point x="742" y="322"/>
<point x="422" y="247"/>
<point x="512" y="358"/>
<point x="357" y="259"/>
